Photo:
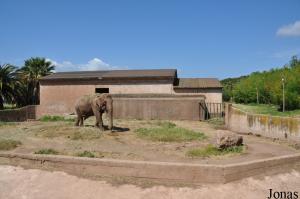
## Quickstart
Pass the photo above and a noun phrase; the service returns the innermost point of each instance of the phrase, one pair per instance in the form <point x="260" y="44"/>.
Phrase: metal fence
<point x="211" y="110"/>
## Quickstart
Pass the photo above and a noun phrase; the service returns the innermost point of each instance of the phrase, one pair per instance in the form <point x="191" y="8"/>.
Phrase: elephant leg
<point x="101" y="122"/>
<point x="81" y="121"/>
<point x="98" y="120"/>
<point x="77" y="121"/>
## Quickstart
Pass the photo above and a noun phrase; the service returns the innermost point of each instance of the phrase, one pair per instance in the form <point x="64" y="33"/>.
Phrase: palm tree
<point x="7" y="83"/>
<point x="31" y="73"/>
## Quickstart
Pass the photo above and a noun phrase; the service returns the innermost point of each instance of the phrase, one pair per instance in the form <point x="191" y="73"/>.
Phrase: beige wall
<point x="62" y="98"/>
<point x="213" y="95"/>
<point x="138" y="89"/>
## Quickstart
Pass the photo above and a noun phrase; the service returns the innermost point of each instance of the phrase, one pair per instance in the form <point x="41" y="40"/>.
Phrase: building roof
<point x="112" y="74"/>
<point x="198" y="83"/>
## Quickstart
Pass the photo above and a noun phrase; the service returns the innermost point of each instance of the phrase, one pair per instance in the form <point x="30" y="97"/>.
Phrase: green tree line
<point x="267" y="87"/>
<point x="20" y="85"/>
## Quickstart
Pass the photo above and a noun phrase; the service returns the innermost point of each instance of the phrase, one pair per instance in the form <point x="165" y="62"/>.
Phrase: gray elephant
<point x="90" y="105"/>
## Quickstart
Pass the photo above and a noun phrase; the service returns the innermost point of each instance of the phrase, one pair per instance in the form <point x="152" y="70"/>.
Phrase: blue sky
<point x="199" y="38"/>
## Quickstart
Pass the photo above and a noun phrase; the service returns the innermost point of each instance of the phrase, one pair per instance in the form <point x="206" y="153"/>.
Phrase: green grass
<point x="7" y="144"/>
<point x="47" y="152"/>
<point x="210" y="150"/>
<point x="85" y="135"/>
<point x="8" y="123"/>
<point x="86" y="154"/>
<point x="168" y="132"/>
<point x="265" y="109"/>
<point x="217" y="123"/>
<point x="69" y="132"/>
<point x="55" y="118"/>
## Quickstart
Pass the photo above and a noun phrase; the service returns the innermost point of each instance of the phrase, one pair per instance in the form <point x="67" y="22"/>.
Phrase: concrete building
<point x="59" y="91"/>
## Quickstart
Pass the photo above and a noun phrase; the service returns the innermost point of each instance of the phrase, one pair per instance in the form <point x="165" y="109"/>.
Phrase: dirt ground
<point x="124" y="144"/>
<point x="16" y="183"/>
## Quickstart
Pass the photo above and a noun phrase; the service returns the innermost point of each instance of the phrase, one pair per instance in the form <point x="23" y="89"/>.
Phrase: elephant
<point x="90" y="105"/>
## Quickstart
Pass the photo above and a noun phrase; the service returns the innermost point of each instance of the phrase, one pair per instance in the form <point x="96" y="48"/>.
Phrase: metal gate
<point x="209" y="110"/>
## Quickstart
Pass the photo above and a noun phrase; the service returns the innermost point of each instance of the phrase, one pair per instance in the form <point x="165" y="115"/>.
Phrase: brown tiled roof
<point x="198" y="83"/>
<point x="155" y="73"/>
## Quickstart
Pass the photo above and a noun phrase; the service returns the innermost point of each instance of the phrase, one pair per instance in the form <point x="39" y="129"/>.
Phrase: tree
<point x="31" y="73"/>
<point x="7" y="83"/>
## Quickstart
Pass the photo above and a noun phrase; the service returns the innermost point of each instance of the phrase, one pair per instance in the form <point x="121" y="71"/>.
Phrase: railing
<point x="208" y="110"/>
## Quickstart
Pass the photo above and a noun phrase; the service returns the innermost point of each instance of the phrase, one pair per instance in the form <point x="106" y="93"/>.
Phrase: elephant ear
<point x="100" y="101"/>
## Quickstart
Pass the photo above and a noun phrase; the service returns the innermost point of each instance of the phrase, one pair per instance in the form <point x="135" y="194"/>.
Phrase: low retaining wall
<point x="18" y="114"/>
<point x="161" y="171"/>
<point x="265" y="125"/>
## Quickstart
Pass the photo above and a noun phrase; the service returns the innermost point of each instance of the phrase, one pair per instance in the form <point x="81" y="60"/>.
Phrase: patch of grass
<point x="210" y="150"/>
<point x="8" y="123"/>
<point x="47" y="152"/>
<point x="168" y="132"/>
<point x="9" y="144"/>
<point x="86" y="154"/>
<point x="266" y="109"/>
<point x="84" y="135"/>
<point x="70" y="132"/>
<point x="217" y="123"/>
<point x="55" y="118"/>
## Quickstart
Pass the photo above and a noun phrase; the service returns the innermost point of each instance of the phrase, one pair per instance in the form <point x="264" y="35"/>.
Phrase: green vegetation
<point x="228" y="86"/>
<point x="86" y="154"/>
<point x="85" y="135"/>
<point x="8" y="123"/>
<point x="7" y="144"/>
<point x="55" y="118"/>
<point x="47" y="152"/>
<point x="168" y="132"/>
<point x="210" y="150"/>
<point x="265" y="109"/>
<point x="217" y="123"/>
<point x="267" y="86"/>
<point x="68" y="131"/>
<point x="21" y="86"/>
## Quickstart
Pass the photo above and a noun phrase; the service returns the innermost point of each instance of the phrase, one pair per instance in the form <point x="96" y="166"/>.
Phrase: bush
<point x="210" y="150"/>
<point x="9" y="144"/>
<point x="47" y="151"/>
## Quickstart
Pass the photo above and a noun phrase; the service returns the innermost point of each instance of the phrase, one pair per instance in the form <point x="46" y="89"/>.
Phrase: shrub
<point x="9" y="144"/>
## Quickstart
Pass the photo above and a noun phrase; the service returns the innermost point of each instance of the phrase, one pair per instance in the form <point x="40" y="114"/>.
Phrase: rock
<point x="225" y="139"/>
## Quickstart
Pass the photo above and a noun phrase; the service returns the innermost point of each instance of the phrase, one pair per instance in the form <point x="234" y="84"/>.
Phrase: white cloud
<point x="289" y="30"/>
<point x="93" y="64"/>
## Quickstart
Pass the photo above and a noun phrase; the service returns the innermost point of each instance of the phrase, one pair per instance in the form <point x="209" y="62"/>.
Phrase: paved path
<point x="17" y="183"/>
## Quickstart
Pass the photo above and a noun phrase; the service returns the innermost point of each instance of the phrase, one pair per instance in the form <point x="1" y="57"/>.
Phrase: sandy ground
<point x="17" y="183"/>
<point x="125" y="144"/>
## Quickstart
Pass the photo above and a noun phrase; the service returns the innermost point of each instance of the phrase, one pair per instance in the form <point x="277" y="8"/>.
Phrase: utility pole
<point x="257" y="99"/>
<point x="283" y="97"/>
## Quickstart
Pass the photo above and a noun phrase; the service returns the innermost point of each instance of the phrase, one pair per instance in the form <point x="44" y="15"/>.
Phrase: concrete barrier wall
<point x="157" y="108"/>
<point x="167" y="107"/>
<point x="18" y="114"/>
<point x="157" y="171"/>
<point x="265" y="125"/>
